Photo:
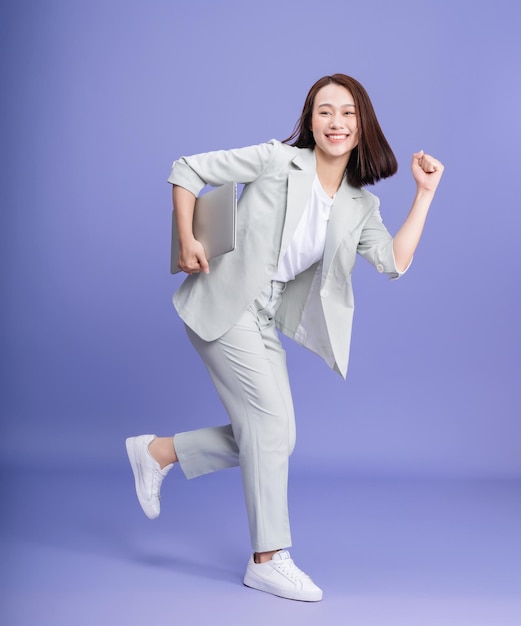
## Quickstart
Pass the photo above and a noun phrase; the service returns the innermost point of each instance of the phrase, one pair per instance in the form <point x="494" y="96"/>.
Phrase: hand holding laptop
<point x="214" y="223"/>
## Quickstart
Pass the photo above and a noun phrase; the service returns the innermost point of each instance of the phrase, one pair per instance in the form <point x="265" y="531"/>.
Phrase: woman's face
<point x="334" y="123"/>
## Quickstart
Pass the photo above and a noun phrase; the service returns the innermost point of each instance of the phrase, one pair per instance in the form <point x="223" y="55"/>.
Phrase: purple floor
<point x="77" y="551"/>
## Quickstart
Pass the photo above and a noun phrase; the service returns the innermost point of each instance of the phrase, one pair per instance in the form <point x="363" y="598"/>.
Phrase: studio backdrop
<point x="99" y="97"/>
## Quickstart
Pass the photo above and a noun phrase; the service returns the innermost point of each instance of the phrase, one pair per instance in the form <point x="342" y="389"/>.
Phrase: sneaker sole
<point x="302" y="596"/>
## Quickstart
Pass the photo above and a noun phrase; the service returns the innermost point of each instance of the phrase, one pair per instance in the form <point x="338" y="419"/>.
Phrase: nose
<point x="336" y="122"/>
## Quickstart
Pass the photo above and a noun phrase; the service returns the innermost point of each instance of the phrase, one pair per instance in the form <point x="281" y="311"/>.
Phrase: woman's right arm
<point x="192" y="258"/>
<point x="190" y="174"/>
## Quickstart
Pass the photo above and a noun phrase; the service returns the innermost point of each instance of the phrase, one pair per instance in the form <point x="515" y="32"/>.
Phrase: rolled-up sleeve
<point x="376" y="245"/>
<point x="241" y="165"/>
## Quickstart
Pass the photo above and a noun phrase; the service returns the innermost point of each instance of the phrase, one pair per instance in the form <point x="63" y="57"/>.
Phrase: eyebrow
<point x="327" y="104"/>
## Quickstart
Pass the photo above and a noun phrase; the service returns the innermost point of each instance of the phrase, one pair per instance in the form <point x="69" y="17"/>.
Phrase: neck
<point x="330" y="173"/>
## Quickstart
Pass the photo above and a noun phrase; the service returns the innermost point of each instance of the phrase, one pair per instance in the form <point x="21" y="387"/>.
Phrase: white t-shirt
<point x="308" y="242"/>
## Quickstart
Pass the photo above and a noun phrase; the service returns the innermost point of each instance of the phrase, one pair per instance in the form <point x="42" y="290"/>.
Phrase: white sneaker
<point x="147" y="474"/>
<point x="282" y="577"/>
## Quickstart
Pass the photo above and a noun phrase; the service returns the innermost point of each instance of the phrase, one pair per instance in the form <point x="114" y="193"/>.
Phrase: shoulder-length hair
<point x="373" y="158"/>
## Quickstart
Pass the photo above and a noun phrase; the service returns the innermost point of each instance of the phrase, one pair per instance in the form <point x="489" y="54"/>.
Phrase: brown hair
<point x="373" y="158"/>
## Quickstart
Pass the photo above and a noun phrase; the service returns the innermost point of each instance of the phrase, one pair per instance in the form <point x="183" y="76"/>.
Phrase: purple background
<point x="98" y="99"/>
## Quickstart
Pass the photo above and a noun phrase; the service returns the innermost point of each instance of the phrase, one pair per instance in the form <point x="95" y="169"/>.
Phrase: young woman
<point x="303" y="216"/>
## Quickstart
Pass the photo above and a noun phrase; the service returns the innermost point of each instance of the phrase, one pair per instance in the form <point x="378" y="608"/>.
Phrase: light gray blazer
<point x="317" y="307"/>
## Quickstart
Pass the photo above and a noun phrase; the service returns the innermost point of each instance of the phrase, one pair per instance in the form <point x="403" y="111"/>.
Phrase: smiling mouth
<point x="336" y="137"/>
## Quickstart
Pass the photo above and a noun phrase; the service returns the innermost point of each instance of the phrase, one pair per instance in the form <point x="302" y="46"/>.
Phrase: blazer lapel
<point x="346" y="212"/>
<point x="300" y="182"/>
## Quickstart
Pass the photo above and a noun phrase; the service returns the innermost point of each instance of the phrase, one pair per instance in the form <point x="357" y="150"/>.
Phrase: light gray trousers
<point x="248" y="368"/>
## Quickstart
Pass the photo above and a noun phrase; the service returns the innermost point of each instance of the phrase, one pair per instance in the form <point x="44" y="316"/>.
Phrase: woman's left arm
<point x="427" y="172"/>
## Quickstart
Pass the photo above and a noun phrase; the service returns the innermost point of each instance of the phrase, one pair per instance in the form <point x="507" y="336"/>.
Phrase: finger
<point x="189" y="268"/>
<point x="417" y="158"/>
<point x="437" y="165"/>
<point x="426" y="162"/>
<point x="427" y="165"/>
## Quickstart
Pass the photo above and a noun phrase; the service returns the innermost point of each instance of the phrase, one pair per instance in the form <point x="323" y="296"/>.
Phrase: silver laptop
<point x="214" y="224"/>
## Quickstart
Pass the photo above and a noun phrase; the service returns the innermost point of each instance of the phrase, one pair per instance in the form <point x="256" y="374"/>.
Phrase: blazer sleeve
<point x="376" y="244"/>
<point x="241" y="165"/>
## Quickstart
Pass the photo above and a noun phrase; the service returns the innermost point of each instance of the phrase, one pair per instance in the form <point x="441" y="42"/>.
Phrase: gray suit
<point x="317" y="307"/>
<point x="231" y="313"/>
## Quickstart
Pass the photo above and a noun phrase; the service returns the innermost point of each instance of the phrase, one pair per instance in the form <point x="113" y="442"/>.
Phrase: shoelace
<point x="289" y="569"/>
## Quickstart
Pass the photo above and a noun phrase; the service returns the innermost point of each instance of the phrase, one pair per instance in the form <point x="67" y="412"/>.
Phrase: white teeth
<point x="337" y="136"/>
